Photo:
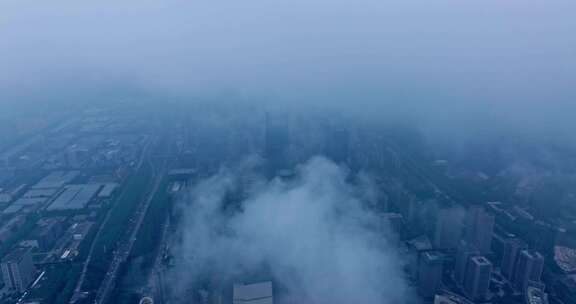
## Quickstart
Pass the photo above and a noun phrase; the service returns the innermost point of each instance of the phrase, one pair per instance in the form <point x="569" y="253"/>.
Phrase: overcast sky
<point x="506" y="60"/>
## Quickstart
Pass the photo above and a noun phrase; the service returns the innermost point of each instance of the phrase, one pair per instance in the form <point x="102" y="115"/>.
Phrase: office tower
<point x="528" y="268"/>
<point x="512" y="248"/>
<point x="18" y="269"/>
<point x="416" y="247"/>
<point x="447" y="228"/>
<point x="464" y="252"/>
<point x="430" y="274"/>
<point x="477" y="279"/>
<point x="479" y="227"/>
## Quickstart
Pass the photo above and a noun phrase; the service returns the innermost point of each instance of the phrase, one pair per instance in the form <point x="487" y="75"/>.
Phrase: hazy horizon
<point x="449" y="64"/>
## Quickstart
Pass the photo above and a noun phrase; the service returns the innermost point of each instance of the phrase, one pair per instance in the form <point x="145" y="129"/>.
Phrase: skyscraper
<point x="464" y="252"/>
<point x="430" y="274"/>
<point x="528" y="268"/>
<point x="512" y="248"/>
<point x="544" y="237"/>
<point x="18" y="269"/>
<point x="477" y="279"/>
<point x="479" y="228"/>
<point x="447" y="228"/>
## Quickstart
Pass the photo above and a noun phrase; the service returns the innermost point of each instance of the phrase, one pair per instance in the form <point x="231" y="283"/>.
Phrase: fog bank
<point x="312" y="235"/>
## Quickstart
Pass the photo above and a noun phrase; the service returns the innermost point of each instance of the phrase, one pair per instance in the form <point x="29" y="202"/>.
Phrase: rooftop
<point x="108" y="189"/>
<point x="433" y="256"/>
<point x="16" y="255"/>
<point x="449" y="298"/>
<point x="24" y="202"/>
<point x="420" y="243"/>
<point x="56" y="179"/>
<point x="260" y="293"/>
<point x="75" y="197"/>
<point x="34" y="193"/>
<point x="536" y="296"/>
<point x="481" y="260"/>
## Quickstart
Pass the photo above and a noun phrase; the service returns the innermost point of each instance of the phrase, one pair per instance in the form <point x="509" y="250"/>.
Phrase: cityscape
<point x="92" y="210"/>
<point x="287" y="152"/>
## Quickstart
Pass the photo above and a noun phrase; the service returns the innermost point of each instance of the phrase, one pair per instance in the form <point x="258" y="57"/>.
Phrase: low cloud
<point x="314" y="235"/>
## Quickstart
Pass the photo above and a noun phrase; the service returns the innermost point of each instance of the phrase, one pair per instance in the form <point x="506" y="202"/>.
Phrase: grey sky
<point x="506" y="60"/>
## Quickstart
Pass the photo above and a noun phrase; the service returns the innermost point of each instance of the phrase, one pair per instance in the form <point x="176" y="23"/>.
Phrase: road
<point x="78" y="290"/>
<point x="408" y="163"/>
<point x="123" y="251"/>
<point x="156" y="278"/>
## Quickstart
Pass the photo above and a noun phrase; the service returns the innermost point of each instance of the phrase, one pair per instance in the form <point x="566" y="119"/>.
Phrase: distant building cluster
<point x="55" y="189"/>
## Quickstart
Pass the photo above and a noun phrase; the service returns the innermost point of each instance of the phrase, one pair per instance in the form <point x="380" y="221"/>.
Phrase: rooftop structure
<point x="36" y="193"/>
<point x="146" y="300"/>
<point x="536" y="295"/>
<point x="259" y="293"/>
<point x="450" y="298"/>
<point x="182" y="173"/>
<point x="107" y="190"/>
<point x="56" y="179"/>
<point x="22" y="203"/>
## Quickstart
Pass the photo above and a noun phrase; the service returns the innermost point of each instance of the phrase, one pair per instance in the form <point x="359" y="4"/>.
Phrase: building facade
<point x="18" y="269"/>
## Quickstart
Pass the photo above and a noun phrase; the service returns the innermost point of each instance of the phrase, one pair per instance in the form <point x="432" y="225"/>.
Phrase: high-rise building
<point x="464" y="252"/>
<point x="512" y="248"/>
<point x="430" y="273"/>
<point x="528" y="268"/>
<point x="447" y="228"/>
<point x="416" y="247"/>
<point x="478" y="229"/>
<point x="477" y="279"/>
<point x="18" y="269"/>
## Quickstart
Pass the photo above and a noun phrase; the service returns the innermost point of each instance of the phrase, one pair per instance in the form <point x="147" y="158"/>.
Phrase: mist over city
<point x="318" y="152"/>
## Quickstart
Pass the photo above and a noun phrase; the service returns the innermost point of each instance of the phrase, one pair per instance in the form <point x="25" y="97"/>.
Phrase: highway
<point x="156" y="278"/>
<point x="78" y="290"/>
<point x="122" y="253"/>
